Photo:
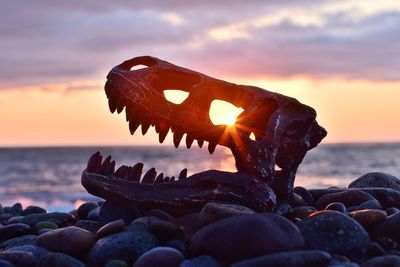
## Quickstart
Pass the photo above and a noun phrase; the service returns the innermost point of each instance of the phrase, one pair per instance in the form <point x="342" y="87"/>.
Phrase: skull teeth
<point x="129" y="173"/>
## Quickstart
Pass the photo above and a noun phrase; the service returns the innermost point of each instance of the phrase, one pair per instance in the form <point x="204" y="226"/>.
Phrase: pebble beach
<point x="332" y="227"/>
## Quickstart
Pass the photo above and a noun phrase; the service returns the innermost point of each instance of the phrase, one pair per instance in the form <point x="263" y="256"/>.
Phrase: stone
<point x="160" y="256"/>
<point x="59" y="260"/>
<point x="93" y="214"/>
<point x="13" y="230"/>
<point x="18" y="258"/>
<point x="201" y="261"/>
<point x="391" y="210"/>
<point x="383" y="261"/>
<point x="136" y="227"/>
<point x="125" y="246"/>
<point x="368" y="217"/>
<point x="111" y="211"/>
<point x="4" y="263"/>
<point x="116" y="263"/>
<point x="20" y="241"/>
<point x="338" y="206"/>
<point x="85" y="208"/>
<point x="247" y="236"/>
<point x="165" y="230"/>
<point x="60" y="218"/>
<point x="375" y="250"/>
<point x="36" y="251"/>
<point x="111" y="228"/>
<point x="159" y="214"/>
<point x="299" y="258"/>
<point x="370" y="204"/>
<point x="302" y="212"/>
<point x="33" y="210"/>
<point x="213" y="211"/>
<point x="70" y="240"/>
<point x="189" y="223"/>
<point x="335" y="233"/>
<point x="387" y="231"/>
<point x="15" y="210"/>
<point x="91" y="226"/>
<point x="5" y="217"/>
<point x="349" y="198"/>
<point x="305" y="195"/>
<point x="46" y="225"/>
<point x="176" y="244"/>
<point x="15" y="219"/>
<point x="376" y="179"/>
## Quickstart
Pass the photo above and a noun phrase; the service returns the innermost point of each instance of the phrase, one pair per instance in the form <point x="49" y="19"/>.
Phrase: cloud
<point x="54" y="42"/>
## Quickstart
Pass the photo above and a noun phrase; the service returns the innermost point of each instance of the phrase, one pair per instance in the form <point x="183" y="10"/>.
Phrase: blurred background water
<point x="50" y="176"/>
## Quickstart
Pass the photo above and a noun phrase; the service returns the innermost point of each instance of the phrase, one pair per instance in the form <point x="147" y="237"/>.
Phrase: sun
<point x="222" y="112"/>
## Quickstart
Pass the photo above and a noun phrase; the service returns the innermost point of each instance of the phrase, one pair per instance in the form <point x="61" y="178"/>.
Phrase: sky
<point x="340" y="57"/>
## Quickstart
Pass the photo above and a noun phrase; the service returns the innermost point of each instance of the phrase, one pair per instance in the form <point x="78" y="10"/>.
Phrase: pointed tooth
<point x="159" y="178"/>
<point x="120" y="104"/>
<point x="113" y="99"/>
<point x="189" y="141"/>
<point x="133" y="125"/>
<point x="94" y="162"/>
<point x="136" y="171"/>
<point x="104" y="165"/>
<point x="121" y="172"/>
<point x="110" y="169"/>
<point x="129" y="112"/>
<point x="166" y="179"/>
<point x="182" y="174"/>
<point x="112" y="105"/>
<point x="172" y="179"/>
<point x="177" y="138"/>
<point x="145" y="127"/>
<point x="211" y="147"/>
<point x="163" y="131"/>
<point x="200" y="142"/>
<point x="149" y="177"/>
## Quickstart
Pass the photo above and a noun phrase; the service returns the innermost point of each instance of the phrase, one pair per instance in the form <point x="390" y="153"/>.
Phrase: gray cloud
<point x="59" y="41"/>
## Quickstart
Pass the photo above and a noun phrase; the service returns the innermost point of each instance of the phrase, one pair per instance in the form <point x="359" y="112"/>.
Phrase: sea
<point x="50" y="177"/>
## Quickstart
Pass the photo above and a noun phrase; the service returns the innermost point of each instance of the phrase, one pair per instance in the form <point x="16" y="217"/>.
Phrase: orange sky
<point x="351" y="111"/>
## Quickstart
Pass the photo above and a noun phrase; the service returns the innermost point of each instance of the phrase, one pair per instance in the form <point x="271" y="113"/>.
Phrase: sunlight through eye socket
<point x="139" y="67"/>
<point x="175" y="96"/>
<point x="222" y="112"/>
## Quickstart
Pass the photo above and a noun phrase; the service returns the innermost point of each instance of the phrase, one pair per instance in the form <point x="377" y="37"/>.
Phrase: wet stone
<point x="111" y="228"/>
<point x="391" y="211"/>
<point x="20" y="241"/>
<point x="42" y="231"/>
<point x="229" y="240"/>
<point x="15" y="219"/>
<point x="305" y="195"/>
<point x="160" y="256"/>
<point x="368" y="217"/>
<point x="302" y="212"/>
<point x="61" y="218"/>
<point x="337" y="206"/>
<point x="46" y="225"/>
<point x="5" y="217"/>
<point x="176" y="244"/>
<point x="126" y="246"/>
<point x="13" y="230"/>
<point x="85" y="208"/>
<point x="36" y="251"/>
<point x="71" y="240"/>
<point x="387" y="230"/>
<point x="164" y="230"/>
<point x="116" y="263"/>
<point x="18" y="258"/>
<point x="15" y="210"/>
<point x="59" y="260"/>
<point x="159" y="214"/>
<point x="212" y="212"/>
<point x="189" y="223"/>
<point x="93" y="214"/>
<point x="91" y="226"/>
<point x="335" y="233"/>
<point x="370" y="204"/>
<point x="111" y="211"/>
<point x="201" y="261"/>
<point x="299" y="258"/>
<point x="33" y="210"/>
<point x="376" y="179"/>
<point x="383" y="261"/>
<point x="136" y="227"/>
<point x="374" y="250"/>
<point x="4" y="263"/>
<point x="349" y="198"/>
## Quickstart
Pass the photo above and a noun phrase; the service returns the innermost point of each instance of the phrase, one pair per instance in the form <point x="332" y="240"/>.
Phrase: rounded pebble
<point x="305" y="194"/>
<point x="201" y="261"/>
<point x="383" y="261"/>
<point x="165" y="230"/>
<point x="13" y="230"/>
<point x="352" y="197"/>
<point x="93" y="214"/>
<point x="159" y="214"/>
<point x="391" y="210"/>
<point x="111" y="211"/>
<point x="4" y="263"/>
<point x="368" y="217"/>
<point x="18" y="258"/>
<point x="91" y="226"/>
<point x="111" y="228"/>
<point x="116" y="263"/>
<point x="85" y="208"/>
<point x="160" y="256"/>
<point x="335" y="233"/>
<point x="338" y="206"/>
<point x="376" y="179"/>
<point x="36" y="251"/>
<point x="33" y="210"/>
<point x="20" y="241"/>
<point x="59" y="260"/>
<point x="46" y="225"/>
<point x="213" y="211"/>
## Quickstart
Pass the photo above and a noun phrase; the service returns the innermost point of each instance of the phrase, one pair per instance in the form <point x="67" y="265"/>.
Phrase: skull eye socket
<point x="175" y="96"/>
<point x="138" y="67"/>
<point x="222" y="112"/>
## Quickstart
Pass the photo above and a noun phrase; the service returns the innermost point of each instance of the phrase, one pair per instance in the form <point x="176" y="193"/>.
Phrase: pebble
<point x="85" y="208"/>
<point x="383" y="261"/>
<point x="201" y="261"/>
<point x="116" y="263"/>
<point x="36" y="251"/>
<point x="93" y="214"/>
<point x="5" y="217"/>
<point x="59" y="260"/>
<point x="4" y="263"/>
<point x="391" y="210"/>
<point x="91" y="226"/>
<point x="125" y="246"/>
<point x="15" y="210"/>
<point x="338" y="206"/>
<point x="165" y="230"/>
<point x="335" y="233"/>
<point x="189" y="223"/>
<point x="370" y="204"/>
<point x="159" y="214"/>
<point x="302" y="212"/>
<point x="111" y="211"/>
<point x="228" y="240"/>
<point x="71" y="240"/>
<point x="160" y="256"/>
<point x="136" y="227"/>
<point x="15" y="219"/>
<point x="46" y="225"/>
<point x="368" y="217"/>
<point x="353" y="197"/>
<point x="111" y="228"/>
<point x="376" y="179"/>
<point x="305" y="194"/>
<point x="20" y="241"/>
<point x="213" y="211"/>
<point x="33" y="210"/>
<point x="13" y="230"/>
<point x="61" y="218"/>
<point x="18" y="258"/>
<point x="299" y="258"/>
<point x="176" y="244"/>
<point x="374" y="250"/>
<point x="387" y="230"/>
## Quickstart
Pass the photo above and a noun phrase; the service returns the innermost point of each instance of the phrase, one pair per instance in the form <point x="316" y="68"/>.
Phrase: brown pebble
<point x="368" y="216"/>
<point x="213" y="212"/>
<point x="111" y="228"/>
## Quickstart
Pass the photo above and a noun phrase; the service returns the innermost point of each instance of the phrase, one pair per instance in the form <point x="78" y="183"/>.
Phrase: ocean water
<point x="50" y="176"/>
